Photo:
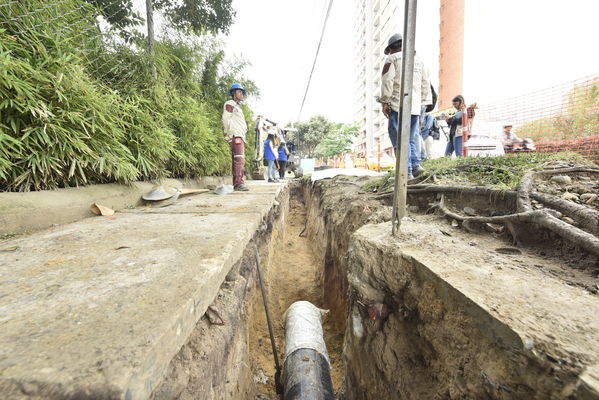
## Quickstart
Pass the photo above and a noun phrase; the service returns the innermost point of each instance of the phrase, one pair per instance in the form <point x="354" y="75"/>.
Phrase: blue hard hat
<point x="236" y="86"/>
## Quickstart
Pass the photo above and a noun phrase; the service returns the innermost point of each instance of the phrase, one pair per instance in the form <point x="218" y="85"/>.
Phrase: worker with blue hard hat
<point x="237" y="86"/>
<point x="235" y="129"/>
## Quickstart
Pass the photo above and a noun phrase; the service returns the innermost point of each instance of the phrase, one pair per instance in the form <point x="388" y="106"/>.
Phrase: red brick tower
<point x="451" y="51"/>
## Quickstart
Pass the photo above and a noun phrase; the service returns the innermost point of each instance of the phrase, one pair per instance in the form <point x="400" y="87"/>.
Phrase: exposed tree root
<point x="587" y="217"/>
<point x="543" y="218"/>
<point x="422" y="178"/>
<point x="549" y="171"/>
<point x="525" y="220"/>
<point x="525" y="187"/>
<point x="476" y="190"/>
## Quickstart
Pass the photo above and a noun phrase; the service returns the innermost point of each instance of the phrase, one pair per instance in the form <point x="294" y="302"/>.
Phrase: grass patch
<point x="503" y="172"/>
<point x="6" y="236"/>
<point x="376" y="185"/>
<point x="305" y="179"/>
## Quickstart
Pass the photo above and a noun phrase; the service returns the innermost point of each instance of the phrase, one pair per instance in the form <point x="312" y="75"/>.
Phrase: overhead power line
<point x="324" y="26"/>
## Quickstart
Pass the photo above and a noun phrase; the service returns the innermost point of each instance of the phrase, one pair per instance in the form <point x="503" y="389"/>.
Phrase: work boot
<point x="242" y="188"/>
<point x="417" y="171"/>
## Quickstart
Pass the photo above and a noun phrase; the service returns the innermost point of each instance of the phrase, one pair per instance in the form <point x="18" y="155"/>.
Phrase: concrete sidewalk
<point x="99" y="307"/>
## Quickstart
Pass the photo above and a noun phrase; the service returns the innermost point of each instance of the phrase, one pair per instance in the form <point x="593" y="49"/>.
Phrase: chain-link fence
<point x="78" y="25"/>
<point x="561" y="118"/>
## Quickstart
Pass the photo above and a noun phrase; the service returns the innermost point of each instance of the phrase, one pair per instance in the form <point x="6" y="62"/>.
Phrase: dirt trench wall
<point x="412" y="335"/>
<point x="215" y="362"/>
<point x="440" y="325"/>
<point x="335" y="210"/>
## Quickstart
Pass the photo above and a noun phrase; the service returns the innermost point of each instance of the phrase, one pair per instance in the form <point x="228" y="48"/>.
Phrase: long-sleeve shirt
<point x="233" y="121"/>
<point x="455" y="124"/>
<point x="391" y="80"/>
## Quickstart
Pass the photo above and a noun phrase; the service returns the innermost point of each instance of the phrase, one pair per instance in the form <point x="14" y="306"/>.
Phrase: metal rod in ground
<point x="400" y="192"/>
<point x="278" y="384"/>
<point x="150" y="22"/>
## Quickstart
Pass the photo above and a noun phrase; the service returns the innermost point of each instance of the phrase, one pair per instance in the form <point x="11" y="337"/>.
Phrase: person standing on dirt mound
<point x="235" y="128"/>
<point x="391" y="98"/>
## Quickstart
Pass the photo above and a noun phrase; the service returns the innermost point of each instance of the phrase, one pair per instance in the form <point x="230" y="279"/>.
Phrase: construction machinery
<point x="263" y="128"/>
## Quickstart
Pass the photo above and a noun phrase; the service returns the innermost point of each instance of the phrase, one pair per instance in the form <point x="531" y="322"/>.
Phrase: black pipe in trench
<point x="307" y="371"/>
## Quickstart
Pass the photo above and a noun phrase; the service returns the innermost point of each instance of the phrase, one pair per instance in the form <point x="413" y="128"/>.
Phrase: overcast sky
<point x="512" y="47"/>
<point x="515" y="47"/>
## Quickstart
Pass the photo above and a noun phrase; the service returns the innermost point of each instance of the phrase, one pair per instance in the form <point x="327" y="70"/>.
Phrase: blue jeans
<point x="414" y="153"/>
<point x="454" y="144"/>
<point x="272" y="170"/>
<point x="421" y="148"/>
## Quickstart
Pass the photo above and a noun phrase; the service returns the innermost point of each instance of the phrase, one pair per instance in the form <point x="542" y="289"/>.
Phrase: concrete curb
<point x="98" y="308"/>
<point x="32" y="211"/>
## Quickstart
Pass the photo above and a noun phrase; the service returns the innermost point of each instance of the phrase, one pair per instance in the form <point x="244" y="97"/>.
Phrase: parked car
<point x="485" y="140"/>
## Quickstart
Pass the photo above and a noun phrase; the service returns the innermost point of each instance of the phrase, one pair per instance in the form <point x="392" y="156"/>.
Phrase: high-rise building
<point x="376" y="20"/>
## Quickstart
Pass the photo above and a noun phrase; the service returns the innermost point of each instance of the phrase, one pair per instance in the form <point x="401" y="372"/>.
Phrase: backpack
<point x="435" y="130"/>
<point x="431" y="107"/>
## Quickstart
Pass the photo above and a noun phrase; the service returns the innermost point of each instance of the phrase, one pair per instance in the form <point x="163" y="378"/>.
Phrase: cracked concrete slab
<point x="98" y="308"/>
<point x="254" y="202"/>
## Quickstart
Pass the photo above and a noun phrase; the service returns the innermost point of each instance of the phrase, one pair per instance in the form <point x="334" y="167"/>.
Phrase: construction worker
<point x="283" y="156"/>
<point x="271" y="155"/>
<point x="391" y="98"/>
<point x="235" y="129"/>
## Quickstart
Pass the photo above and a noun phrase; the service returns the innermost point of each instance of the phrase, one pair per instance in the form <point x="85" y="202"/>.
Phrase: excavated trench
<point x="402" y="323"/>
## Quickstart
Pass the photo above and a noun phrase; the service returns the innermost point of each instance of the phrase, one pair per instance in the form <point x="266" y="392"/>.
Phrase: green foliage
<point x="305" y="179"/>
<point x="57" y="126"/>
<point x="250" y="138"/>
<point x="190" y="16"/>
<point x="503" y="172"/>
<point x="338" y="140"/>
<point x="76" y="108"/>
<point x="310" y="134"/>
<point x="320" y="137"/>
<point x="119" y="13"/>
<point x="375" y="184"/>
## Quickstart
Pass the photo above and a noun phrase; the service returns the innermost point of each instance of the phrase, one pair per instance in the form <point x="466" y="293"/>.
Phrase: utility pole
<point x="400" y="192"/>
<point x="150" y="21"/>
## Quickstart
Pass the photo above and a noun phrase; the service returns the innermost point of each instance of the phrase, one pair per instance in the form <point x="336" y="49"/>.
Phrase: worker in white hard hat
<point x="235" y="129"/>
<point x="391" y="99"/>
